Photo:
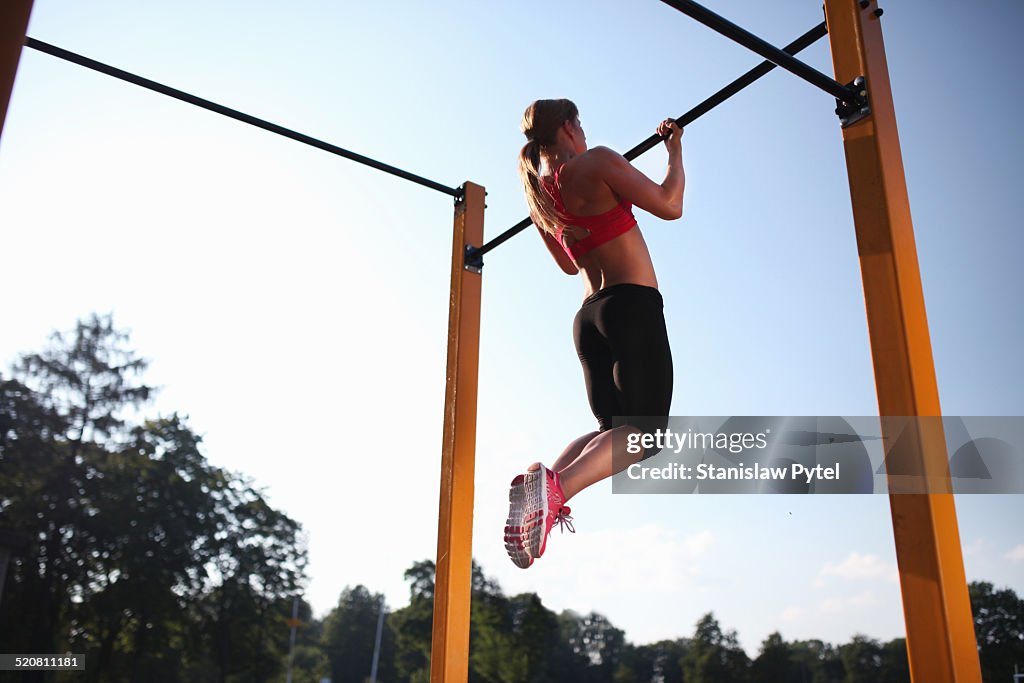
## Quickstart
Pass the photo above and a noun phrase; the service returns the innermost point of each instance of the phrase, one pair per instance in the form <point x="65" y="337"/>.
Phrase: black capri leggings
<point x="627" y="364"/>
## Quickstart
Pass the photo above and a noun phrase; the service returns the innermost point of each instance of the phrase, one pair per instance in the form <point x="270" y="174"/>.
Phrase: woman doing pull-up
<point x="581" y="201"/>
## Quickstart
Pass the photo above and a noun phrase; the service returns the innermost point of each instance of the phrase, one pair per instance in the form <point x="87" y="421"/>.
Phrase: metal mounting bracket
<point x="856" y="107"/>
<point x="474" y="261"/>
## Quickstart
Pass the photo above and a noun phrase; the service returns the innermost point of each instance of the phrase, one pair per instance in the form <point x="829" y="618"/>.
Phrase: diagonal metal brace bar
<point x="765" y="49"/>
<point x="798" y="45"/>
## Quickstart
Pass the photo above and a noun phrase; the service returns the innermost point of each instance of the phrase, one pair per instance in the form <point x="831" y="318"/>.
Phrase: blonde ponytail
<point x="540" y="124"/>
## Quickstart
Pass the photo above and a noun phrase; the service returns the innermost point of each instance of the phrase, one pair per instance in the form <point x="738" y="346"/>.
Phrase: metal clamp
<point x="474" y="260"/>
<point x="856" y="106"/>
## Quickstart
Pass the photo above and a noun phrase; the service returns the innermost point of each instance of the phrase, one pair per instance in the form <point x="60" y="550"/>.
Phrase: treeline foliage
<point x="161" y="567"/>
<point x="517" y="640"/>
<point x="138" y="553"/>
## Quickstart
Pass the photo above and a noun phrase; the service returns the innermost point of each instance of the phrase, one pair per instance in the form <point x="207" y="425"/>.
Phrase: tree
<point x="999" y="629"/>
<point x="512" y="640"/>
<point x="658" y="662"/>
<point x="257" y="563"/>
<point x="862" y="660"/>
<point x="818" y="662"/>
<point x="350" y="632"/>
<point x="596" y="642"/>
<point x="88" y="377"/>
<point x="668" y="657"/>
<point x="62" y="412"/>
<point x="138" y="546"/>
<point x="148" y="514"/>
<point x="493" y="656"/>
<point x="774" y="663"/>
<point x="411" y="626"/>
<point x="895" y="666"/>
<point x="534" y="630"/>
<point x="714" y="656"/>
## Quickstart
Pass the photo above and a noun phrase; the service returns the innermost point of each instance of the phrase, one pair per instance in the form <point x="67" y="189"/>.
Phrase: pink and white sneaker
<point x="515" y="526"/>
<point x="544" y="507"/>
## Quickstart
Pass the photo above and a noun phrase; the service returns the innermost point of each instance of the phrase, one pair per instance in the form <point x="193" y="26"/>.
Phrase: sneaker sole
<point x="536" y="495"/>
<point x="514" y="526"/>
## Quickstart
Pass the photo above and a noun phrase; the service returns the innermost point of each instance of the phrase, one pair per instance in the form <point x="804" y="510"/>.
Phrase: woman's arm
<point x="665" y="200"/>
<point x="558" y="253"/>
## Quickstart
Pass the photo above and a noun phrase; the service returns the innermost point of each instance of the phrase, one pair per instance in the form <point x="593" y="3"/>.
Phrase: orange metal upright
<point x="449" y="651"/>
<point x="13" y="27"/>
<point x="940" y="631"/>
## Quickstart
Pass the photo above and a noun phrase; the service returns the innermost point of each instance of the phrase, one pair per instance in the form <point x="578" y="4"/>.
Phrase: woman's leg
<point x="627" y="365"/>
<point x="596" y="460"/>
<point x="572" y="451"/>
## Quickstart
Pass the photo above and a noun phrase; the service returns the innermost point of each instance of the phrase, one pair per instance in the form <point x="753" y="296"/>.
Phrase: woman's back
<point x="585" y="193"/>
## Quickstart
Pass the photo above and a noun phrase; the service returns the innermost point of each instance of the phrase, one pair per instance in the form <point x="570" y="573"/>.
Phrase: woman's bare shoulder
<point x="595" y="161"/>
<point x="602" y="155"/>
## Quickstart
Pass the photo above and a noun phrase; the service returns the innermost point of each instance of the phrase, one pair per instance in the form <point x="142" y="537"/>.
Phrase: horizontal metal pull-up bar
<point x="473" y="256"/>
<point x="773" y="54"/>
<point x="237" y="115"/>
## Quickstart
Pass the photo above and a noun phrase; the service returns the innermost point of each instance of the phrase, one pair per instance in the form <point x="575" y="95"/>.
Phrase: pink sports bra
<point x="603" y="227"/>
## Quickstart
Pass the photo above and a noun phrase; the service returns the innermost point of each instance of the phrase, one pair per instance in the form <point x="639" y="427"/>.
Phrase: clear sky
<point x="294" y="304"/>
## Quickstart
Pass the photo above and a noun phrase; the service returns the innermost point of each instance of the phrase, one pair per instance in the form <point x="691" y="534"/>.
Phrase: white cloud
<point x="1016" y="554"/>
<point x="698" y="544"/>
<point x="792" y="614"/>
<point x="579" y="570"/>
<point x="975" y="547"/>
<point x="648" y="579"/>
<point x="662" y="557"/>
<point x="845" y="604"/>
<point x="861" y="567"/>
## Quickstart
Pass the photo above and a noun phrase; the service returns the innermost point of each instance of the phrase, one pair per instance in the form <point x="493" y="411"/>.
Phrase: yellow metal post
<point x="449" y="652"/>
<point x="13" y="26"/>
<point x="940" y="631"/>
